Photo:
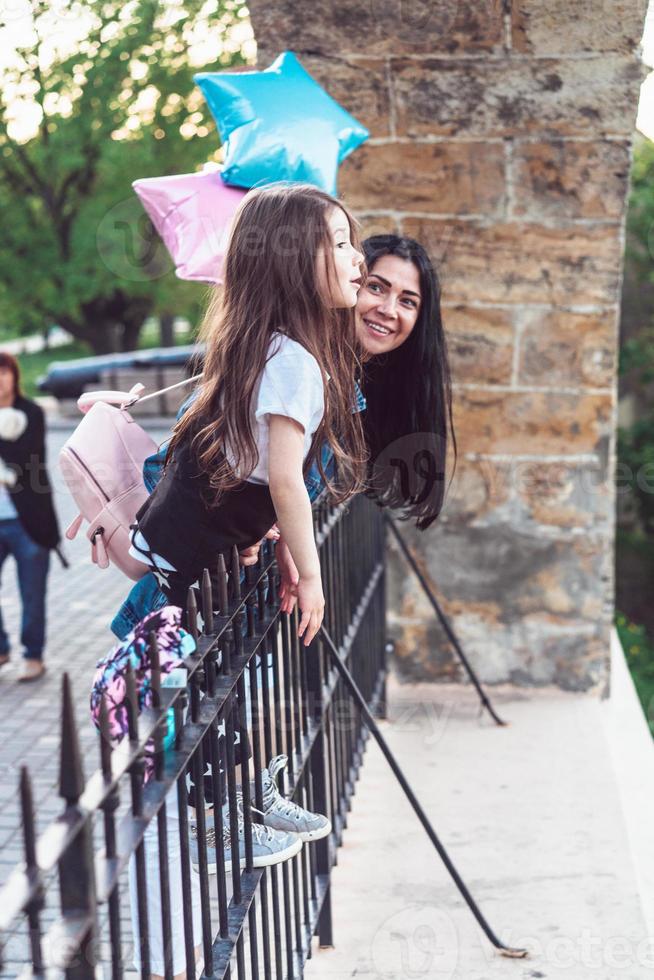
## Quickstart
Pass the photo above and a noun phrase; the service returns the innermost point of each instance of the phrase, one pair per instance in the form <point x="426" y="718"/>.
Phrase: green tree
<point x="76" y="247"/>
<point x="636" y="443"/>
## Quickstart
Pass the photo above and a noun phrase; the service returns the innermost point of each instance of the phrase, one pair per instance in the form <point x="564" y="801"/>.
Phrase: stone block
<point x="561" y="494"/>
<point x="565" y="179"/>
<point x="572" y="349"/>
<point x="475" y="98"/>
<point x="379" y="27"/>
<point x="530" y="494"/>
<point x="480" y="344"/>
<point x="561" y="27"/>
<point x="480" y="488"/>
<point x="522" y="263"/>
<point x="518" y="422"/>
<point x="526" y="608"/>
<point x="525" y="654"/>
<point x="445" y="178"/>
<point x="374" y="224"/>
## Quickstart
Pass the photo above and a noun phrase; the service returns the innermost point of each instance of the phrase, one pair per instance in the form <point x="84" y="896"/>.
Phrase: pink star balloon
<point x="193" y="214"/>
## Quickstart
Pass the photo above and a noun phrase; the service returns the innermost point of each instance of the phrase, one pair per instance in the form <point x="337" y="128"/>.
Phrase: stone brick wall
<point x="501" y="138"/>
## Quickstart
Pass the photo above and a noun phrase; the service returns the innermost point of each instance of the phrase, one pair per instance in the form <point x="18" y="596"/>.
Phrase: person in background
<point x="28" y="524"/>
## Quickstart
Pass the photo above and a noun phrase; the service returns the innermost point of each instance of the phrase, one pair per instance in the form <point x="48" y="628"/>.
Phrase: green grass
<point x="639" y="652"/>
<point x="32" y="366"/>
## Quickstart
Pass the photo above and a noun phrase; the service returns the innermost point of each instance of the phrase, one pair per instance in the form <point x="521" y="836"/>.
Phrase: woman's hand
<point x="312" y="606"/>
<point x="289" y="577"/>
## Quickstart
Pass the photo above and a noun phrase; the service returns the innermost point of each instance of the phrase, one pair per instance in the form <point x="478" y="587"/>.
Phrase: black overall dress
<point x="180" y="526"/>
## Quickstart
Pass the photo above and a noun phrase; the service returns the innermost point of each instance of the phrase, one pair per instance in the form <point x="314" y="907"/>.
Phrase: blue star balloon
<point x="279" y="124"/>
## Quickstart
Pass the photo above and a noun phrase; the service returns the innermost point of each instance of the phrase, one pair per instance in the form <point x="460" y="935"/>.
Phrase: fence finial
<point x="223" y="600"/>
<point x="131" y="703"/>
<point x="207" y="603"/>
<point x="155" y="668"/>
<point x="27" y="813"/>
<point x="236" y="574"/>
<point x="29" y="840"/>
<point x="71" y="773"/>
<point x="105" y="739"/>
<point x="192" y="613"/>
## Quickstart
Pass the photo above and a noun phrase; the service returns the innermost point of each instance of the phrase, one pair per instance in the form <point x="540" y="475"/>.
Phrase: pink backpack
<point x="102" y="464"/>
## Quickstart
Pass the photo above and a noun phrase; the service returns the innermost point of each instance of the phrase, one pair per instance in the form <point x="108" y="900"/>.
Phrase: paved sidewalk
<point x="81" y="603"/>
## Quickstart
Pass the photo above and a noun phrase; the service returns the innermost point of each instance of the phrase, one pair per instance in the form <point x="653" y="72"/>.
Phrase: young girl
<point x="278" y="383"/>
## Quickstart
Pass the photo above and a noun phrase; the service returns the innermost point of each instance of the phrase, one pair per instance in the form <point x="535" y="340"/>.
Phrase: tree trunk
<point x="167" y="329"/>
<point x="110" y="323"/>
<point x="130" y="335"/>
<point x="101" y="336"/>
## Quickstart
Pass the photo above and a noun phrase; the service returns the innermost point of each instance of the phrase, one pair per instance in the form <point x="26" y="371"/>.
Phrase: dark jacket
<point x="32" y="493"/>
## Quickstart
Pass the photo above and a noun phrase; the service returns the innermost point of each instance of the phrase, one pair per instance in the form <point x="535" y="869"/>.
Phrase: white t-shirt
<point x="291" y="384"/>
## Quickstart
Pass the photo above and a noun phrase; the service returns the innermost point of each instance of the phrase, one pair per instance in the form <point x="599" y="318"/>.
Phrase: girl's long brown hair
<point x="271" y="284"/>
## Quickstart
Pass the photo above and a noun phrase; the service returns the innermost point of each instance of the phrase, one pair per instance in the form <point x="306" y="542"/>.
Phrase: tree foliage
<point x="636" y="442"/>
<point x="77" y="248"/>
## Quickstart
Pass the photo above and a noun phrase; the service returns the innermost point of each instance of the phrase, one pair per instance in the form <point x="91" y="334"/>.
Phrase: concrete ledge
<point x="632" y="753"/>
<point x="532" y="816"/>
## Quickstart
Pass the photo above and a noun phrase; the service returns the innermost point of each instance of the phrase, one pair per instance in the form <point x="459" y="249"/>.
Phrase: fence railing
<point x="121" y="881"/>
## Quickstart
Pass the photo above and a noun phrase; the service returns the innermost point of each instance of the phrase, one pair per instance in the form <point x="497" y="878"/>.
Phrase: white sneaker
<point x="282" y="814"/>
<point x="269" y="846"/>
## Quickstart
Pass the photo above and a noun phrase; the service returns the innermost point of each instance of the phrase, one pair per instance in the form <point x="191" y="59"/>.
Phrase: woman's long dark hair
<point x="408" y="420"/>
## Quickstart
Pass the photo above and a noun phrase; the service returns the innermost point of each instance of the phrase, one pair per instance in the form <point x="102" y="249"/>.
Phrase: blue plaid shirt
<point x="146" y="596"/>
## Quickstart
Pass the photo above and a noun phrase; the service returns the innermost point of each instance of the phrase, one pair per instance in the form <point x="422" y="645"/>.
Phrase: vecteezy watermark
<point x="129" y="246"/>
<point x="414" y="465"/>
<point x="417" y="943"/>
<point x="424" y="718"/>
<point x="589" y="951"/>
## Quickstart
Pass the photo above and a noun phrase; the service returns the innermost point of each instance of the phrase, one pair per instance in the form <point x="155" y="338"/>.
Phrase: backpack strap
<point x="136" y="397"/>
<point x="89" y="398"/>
<point x="125" y="399"/>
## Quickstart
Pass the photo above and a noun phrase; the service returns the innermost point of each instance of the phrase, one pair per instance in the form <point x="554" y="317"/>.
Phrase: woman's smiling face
<point x="388" y="304"/>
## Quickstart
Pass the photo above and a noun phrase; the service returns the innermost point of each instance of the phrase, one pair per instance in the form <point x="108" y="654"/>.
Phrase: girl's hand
<point x="294" y="517"/>
<point x="250" y="556"/>
<point x="289" y="577"/>
<point x="312" y="606"/>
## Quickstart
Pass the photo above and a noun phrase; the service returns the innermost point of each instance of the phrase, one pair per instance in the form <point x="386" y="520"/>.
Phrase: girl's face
<point x="388" y="304"/>
<point x="342" y="292"/>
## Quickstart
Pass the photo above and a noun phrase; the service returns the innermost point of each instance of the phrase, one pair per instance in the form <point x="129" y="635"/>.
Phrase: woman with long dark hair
<point x="406" y="379"/>
<point x="406" y="383"/>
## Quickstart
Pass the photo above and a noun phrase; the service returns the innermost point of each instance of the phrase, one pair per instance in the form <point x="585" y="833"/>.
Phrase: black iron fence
<point x="123" y="880"/>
